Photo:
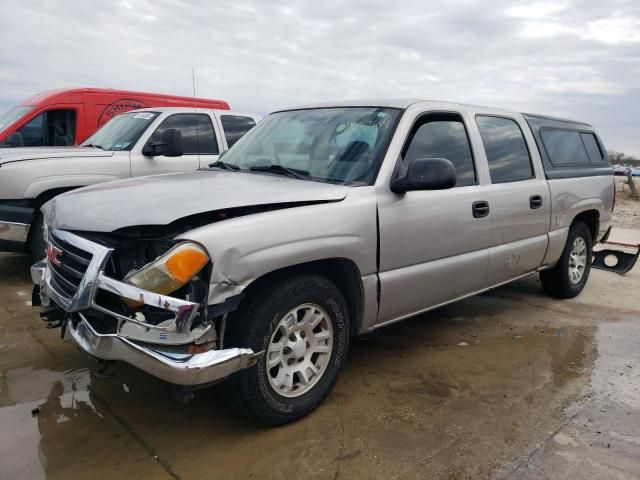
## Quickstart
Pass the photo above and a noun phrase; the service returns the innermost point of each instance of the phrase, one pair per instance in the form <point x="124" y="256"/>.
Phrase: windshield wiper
<point x="94" y="145"/>
<point x="223" y="165"/>
<point x="280" y="170"/>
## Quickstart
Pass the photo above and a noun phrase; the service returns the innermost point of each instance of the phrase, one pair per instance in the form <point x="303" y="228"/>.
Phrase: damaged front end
<point x="141" y="301"/>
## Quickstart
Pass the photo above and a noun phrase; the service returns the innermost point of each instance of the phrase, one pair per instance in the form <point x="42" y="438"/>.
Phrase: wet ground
<point x="509" y="384"/>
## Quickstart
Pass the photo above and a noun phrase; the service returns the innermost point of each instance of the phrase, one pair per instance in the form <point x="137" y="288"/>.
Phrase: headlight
<point x="172" y="270"/>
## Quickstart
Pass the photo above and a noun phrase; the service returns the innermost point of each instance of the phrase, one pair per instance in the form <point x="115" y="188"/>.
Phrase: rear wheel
<point x="302" y="326"/>
<point x="569" y="276"/>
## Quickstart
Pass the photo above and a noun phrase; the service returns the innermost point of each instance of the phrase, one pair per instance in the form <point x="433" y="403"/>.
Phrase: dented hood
<point x="162" y="199"/>
<point x="21" y="154"/>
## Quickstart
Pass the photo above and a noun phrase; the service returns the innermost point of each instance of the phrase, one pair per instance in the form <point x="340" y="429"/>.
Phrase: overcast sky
<point x="574" y="58"/>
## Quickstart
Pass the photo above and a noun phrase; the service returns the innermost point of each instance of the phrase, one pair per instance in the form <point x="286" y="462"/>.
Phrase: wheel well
<point x="592" y="219"/>
<point x="43" y="198"/>
<point x="341" y="271"/>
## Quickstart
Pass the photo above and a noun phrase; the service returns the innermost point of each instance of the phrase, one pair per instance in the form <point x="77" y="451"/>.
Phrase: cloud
<point x="577" y="59"/>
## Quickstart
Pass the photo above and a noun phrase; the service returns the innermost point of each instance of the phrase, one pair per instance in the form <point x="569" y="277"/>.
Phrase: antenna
<point x="195" y="112"/>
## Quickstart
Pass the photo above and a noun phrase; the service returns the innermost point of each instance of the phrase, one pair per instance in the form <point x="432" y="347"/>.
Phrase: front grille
<point x="72" y="265"/>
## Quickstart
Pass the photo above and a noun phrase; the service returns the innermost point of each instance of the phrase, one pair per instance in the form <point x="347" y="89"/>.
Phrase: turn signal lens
<point x="171" y="271"/>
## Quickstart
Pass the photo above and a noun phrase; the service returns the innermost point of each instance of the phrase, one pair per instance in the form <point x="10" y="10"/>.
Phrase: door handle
<point x="535" y="201"/>
<point x="480" y="209"/>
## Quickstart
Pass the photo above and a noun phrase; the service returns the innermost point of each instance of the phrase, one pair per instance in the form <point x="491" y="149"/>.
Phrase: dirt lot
<point x="627" y="211"/>
<point x="509" y="384"/>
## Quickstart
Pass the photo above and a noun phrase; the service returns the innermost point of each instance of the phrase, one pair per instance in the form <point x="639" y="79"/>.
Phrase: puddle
<point x="36" y="401"/>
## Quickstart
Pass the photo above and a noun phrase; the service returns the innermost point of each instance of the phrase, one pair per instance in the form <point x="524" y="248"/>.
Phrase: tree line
<point x="620" y="158"/>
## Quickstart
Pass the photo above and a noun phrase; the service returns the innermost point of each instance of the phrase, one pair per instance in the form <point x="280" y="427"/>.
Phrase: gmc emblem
<point x="52" y="254"/>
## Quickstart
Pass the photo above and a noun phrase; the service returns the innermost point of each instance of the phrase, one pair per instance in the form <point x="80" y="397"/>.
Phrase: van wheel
<point x="302" y="326"/>
<point x="570" y="275"/>
<point x="37" y="246"/>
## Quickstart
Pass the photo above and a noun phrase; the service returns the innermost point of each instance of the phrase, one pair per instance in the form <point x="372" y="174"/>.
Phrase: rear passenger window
<point x="197" y="133"/>
<point x="443" y="136"/>
<point x="235" y="126"/>
<point x="564" y="147"/>
<point x="506" y="149"/>
<point x="593" y="150"/>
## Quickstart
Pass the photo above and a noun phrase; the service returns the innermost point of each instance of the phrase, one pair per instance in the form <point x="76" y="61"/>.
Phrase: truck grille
<point x="67" y="264"/>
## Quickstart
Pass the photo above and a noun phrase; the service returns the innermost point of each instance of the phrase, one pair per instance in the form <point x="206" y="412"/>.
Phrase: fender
<point x="246" y="248"/>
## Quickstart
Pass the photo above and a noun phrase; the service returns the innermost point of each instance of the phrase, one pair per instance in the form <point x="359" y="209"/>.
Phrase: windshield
<point x="10" y="116"/>
<point x="335" y="145"/>
<point x="121" y="132"/>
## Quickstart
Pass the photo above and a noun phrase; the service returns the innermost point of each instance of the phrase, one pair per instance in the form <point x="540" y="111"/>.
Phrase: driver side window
<point x="197" y="133"/>
<point x="443" y="136"/>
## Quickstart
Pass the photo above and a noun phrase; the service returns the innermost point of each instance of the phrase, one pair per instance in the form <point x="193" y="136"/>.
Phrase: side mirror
<point x="15" y="140"/>
<point x="170" y="144"/>
<point x="426" y="174"/>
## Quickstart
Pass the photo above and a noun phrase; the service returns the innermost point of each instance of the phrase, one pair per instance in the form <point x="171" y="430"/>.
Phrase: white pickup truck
<point x="134" y="144"/>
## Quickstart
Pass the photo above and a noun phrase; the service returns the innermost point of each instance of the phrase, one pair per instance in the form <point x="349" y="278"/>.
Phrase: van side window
<point x="235" y="126"/>
<point x="33" y="133"/>
<point x="197" y="133"/>
<point x="506" y="149"/>
<point x="564" y="147"/>
<point x="593" y="150"/>
<point x="53" y="128"/>
<point x="443" y="136"/>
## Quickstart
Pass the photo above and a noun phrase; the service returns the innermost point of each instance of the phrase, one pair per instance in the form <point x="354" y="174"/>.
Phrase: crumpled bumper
<point x="179" y="369"/>
<point x="154" y="349"/>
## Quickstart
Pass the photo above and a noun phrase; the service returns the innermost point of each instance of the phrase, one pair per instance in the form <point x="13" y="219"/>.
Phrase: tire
<point x="260" y="392"/>
<point x="562" y="281"/>
<point x="37" y="246"/>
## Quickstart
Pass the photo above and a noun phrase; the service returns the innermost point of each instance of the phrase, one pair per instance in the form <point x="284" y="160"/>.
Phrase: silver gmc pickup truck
<point x="322" y="223"/>
<point x="133" y="144"/>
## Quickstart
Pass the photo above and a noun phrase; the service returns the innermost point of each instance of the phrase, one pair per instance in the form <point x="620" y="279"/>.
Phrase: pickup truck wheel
<point x="36" y="245"/>
<point x="570" y="275"/>
<point x="302" y="326"/>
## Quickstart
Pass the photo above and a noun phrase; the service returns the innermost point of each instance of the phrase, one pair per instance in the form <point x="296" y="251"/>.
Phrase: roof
<point x="49" y="94"/>
<point x="404" y="103"/>
<point x="190" y="109"/>
<point x="390" y="103"/>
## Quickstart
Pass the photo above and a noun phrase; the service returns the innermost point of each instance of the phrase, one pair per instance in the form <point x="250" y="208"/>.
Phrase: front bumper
<point x="13" y="236"/>
<point x="156" y="349"/>
<point x="179" y="369"/>
<point x="15" y="223"/>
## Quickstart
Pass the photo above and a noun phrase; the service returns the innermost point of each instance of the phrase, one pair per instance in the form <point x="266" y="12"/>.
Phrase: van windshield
<point x="333" y="145"/>
<point x="121" y="132"/>
<point x="13" y="114"/>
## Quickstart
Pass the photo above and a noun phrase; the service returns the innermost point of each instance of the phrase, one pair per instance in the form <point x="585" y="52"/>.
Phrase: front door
<point x="433" y="244"/>
<point x="199" y="146"/>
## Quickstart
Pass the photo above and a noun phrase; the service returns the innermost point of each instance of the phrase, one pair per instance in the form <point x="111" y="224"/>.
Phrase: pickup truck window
<point x="121" y="132"/>
<point x="593" y="150"/>
<point x="564" y="147"/>
<point x="442" y="136"/>
<point x="333" y="145"/>
<point x="198" y="137"/>
<point x="235" y="126"/>
<point x="506" y="149"/>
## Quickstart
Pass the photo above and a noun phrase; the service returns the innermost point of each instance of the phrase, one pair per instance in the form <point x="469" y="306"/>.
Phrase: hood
<point x="19" y="154"/>
<point x="162" y="199"/>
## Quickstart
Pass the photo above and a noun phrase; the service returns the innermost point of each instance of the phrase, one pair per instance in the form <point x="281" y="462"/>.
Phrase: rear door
<point x="235" y="126"/>
<point x="518" y="196"/>
<point x="199" y="145"/>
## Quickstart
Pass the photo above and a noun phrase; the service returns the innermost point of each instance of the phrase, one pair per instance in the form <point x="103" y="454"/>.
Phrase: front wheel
<point x="569" y="276"/>
<point x="302" y="326"/>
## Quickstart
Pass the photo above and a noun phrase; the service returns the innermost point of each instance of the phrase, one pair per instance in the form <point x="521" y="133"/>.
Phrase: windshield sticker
<point x="121" y="146"/>
<point x="143" y="115"/>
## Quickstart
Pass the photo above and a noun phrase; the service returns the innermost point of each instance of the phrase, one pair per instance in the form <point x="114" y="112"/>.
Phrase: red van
<point x="67" y="116"/>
